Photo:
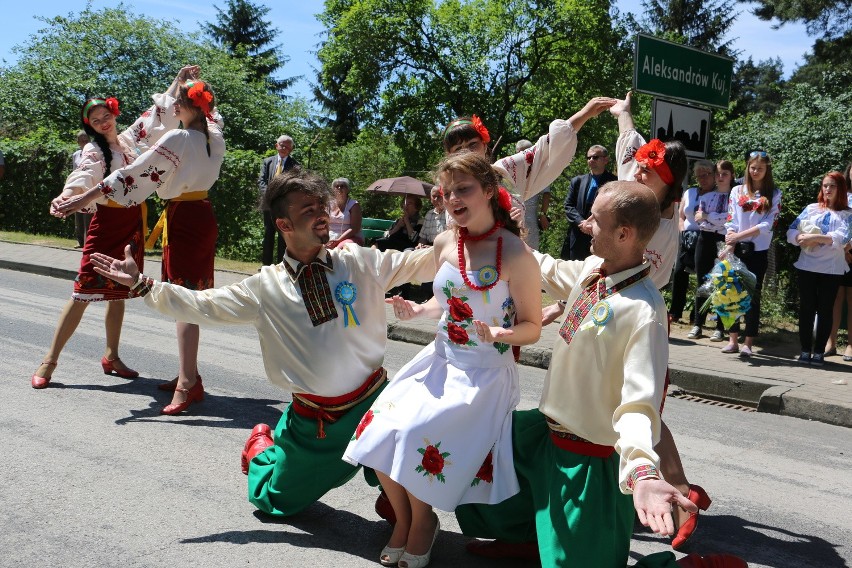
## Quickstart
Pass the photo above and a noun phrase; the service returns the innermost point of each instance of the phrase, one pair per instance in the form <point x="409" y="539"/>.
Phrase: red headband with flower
<point x="200" y="98"/>
<point x="110" y="102"/>
<point x="653" y="155"/>
<point x="477" y="125"/>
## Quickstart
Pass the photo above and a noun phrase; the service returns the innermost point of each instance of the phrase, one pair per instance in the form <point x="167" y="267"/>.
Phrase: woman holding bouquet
<point x="711" y="216"/>
<point x="822" y="231"/>
<point x="752" y="213"/>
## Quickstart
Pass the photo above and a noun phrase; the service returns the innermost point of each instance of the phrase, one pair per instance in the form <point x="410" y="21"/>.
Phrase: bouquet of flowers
<point x="729" y="288"/>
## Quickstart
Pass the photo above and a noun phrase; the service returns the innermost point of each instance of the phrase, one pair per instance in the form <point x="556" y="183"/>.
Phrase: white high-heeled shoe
<point x="419" y="561"/>
<point x="390" y="556"/>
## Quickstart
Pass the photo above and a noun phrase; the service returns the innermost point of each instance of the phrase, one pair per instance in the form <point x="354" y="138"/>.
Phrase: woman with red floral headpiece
<point x="112" y="226"/>
<point x="181" y="168"/>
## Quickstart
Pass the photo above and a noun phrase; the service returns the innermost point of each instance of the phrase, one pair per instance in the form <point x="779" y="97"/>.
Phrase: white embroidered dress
<point x="442" y="428"/>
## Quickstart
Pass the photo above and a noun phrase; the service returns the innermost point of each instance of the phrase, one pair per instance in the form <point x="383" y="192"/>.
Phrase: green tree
<point x="829" y="21"/>
<point x="344" y="109"/>
<point x="828" y="18"/>
<point x="115" y="52"/>
<point x="419" y="64"/>
<point x="757" y="87"/>
<point x="702" y="24"/>
<point x="243" y="32"/>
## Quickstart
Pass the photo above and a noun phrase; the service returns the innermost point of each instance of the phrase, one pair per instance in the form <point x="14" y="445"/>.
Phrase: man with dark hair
<point x="315" y="300"/>
<point x="272" y="166"/>
<point x="578" y="202"/>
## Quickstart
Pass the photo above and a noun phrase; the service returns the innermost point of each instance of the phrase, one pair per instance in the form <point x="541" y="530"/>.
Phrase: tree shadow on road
<point x="758" y="544"/>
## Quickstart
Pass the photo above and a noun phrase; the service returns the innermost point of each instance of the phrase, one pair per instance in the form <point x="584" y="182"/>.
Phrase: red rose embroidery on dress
<point x="457" y="334"/>
<point x="365" y="421"/>
<point x="459" y="309"/>
<point x="433" y="462"/>
<point x="486" y="471"/>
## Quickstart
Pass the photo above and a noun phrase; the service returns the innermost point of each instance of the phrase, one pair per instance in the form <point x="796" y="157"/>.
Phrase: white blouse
<point x="739" y="219"/>
<point x="822" y="258"/>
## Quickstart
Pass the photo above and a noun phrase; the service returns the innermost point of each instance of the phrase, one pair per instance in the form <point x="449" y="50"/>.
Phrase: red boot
<point x="384" y="509"/>
<point x="698" y="496"/>
<point x="259" y="439"/>
<point x="712" y="561"/>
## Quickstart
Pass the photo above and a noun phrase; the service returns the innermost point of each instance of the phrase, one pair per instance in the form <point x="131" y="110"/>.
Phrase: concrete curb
<point x="39" y="269"/>
<point x="788" y="399"/>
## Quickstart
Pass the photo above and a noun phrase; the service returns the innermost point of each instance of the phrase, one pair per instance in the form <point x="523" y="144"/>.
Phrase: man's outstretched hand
<point x="122" y="271"/>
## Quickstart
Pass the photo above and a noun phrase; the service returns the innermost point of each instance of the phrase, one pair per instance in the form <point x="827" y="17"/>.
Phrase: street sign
<point x="676" y="71"/>
<point x="689" y="124"/>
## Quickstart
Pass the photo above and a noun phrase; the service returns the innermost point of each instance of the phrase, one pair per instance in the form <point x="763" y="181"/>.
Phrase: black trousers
<point x="706" y="253"/>
<point x="269" y="237"/>
<point x="685" y="263"/>
<point x="757" y="262"/>
<point x="816" y="298"/>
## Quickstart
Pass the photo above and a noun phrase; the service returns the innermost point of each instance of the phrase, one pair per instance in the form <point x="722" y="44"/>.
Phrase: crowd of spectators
<point x="718" y="214"/>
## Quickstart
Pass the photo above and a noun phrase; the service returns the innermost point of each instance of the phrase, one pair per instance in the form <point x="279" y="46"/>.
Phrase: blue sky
<point x="300" y="31"/>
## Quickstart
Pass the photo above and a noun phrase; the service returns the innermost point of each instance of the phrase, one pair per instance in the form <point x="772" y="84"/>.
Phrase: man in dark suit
<point x="578" y="203"/>
<point x="273" y="166"/>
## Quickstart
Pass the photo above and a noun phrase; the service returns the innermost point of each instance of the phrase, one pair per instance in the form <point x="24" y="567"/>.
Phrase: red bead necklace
<point x="464" y="235"/>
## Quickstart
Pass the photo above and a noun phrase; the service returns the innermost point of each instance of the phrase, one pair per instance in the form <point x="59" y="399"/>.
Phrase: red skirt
<point x="111" y="229"/>
<point x="188" y="256"/>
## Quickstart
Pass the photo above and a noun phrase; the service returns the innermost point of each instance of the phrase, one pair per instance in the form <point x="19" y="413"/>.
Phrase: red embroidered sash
<point x="330" y="409"/>
<point x="594" y="291"/>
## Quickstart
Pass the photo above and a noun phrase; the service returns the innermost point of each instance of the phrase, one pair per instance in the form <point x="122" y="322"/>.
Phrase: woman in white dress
<point x="440" y="433"/>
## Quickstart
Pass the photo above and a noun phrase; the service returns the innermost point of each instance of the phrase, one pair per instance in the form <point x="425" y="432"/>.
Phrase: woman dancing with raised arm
<point x="112" y="227"/>
<point x="181" y="168"/>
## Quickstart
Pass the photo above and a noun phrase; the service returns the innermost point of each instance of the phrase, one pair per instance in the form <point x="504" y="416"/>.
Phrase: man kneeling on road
<point x="585" y="458"/>
<point x="315" y="301"/>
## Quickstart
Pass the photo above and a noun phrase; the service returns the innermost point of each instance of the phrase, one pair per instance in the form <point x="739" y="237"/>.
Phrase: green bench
<point x="373" y="229"/>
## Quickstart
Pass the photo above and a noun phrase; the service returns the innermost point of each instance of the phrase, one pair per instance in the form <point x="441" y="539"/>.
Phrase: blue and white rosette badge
<point x="346" y="294"/>
<point x="601" y="314"/>
<point x="487" y="275"/>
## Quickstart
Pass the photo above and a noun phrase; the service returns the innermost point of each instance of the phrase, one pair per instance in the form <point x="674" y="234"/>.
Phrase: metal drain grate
<point x="692" y="398"/>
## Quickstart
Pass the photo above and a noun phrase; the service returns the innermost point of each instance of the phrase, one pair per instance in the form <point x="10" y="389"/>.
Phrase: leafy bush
<point x="235" y="201"/>
<point x="36" y="168"/>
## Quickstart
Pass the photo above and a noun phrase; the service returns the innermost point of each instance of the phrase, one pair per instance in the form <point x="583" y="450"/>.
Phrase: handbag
<point x="744" y="248"/>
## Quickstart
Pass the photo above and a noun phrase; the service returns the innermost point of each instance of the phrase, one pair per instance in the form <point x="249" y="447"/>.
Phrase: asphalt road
<point x="92" y="475"/>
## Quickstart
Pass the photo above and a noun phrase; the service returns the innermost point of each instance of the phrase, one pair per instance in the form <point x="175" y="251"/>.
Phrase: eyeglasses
<point x="594" y="158"/>
<point x="758" y="154"/>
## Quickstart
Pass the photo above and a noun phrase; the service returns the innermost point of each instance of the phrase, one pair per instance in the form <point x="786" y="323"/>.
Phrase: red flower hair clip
<point x="200" y="98"/>
<point x="479" y="127"/>
<point x="504" y="200"/>
<point x="112" y="105"/>
<point x="653" y="155"/>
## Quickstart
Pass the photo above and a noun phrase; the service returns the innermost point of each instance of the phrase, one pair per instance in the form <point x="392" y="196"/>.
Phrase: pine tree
<point x="243" y="32"/>
<point x="701" y="24"/>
